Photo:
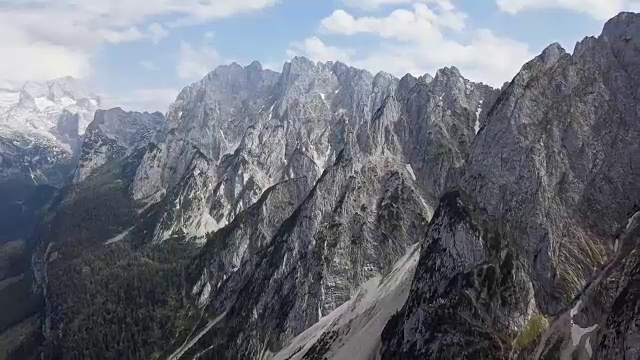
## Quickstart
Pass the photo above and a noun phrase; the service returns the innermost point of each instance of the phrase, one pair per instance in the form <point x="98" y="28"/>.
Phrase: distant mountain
<point x="535" y="251"/>
<point x="40" y="129"/>
<point x="241" y="130"/>
<point x="115" y="134"/>
<point x="325" y="212"/>
<point x="323" y="166"/>
<point x="46" y="145"/>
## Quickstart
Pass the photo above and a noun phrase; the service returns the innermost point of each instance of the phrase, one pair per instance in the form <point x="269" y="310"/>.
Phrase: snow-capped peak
<point x="41" y="127"/>
<point x="42" y="111"/>
<point x="58" y="89"/>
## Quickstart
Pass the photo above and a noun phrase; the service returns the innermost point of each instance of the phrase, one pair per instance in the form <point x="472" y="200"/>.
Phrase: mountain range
<point x="324" y="212"/>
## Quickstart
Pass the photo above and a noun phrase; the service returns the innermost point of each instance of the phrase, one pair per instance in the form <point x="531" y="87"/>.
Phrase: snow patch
<point x="324" y="99"/>
<point x="66" y="101"/>
<point x="578" y="332"/>
<point x="33" y="177"/>
<point x="319" y="159"/>
<point x="7" y="99"/>
<point x="478" y="112"/>
<point x="271" y="111"/>
<point x="204" y="296"/>
<point x="120" y="237"/>
<point x="232" y="147"/>
<point x="410" y="170"/>
<point x="43" y="103"/>
<point x="631" y="221"/>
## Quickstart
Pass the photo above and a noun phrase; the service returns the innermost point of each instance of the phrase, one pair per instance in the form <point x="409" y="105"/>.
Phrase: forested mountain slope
<point x="324" y="212"/>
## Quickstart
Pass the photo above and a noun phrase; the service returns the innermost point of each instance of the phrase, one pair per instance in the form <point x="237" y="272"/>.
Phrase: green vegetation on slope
<point x="124" y="300"/>
<point x="536" y="325"/>
<point x="119" y="302"/>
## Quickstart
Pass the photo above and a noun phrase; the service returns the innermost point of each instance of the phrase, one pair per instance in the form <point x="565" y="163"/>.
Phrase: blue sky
<point x="139" y="53"/>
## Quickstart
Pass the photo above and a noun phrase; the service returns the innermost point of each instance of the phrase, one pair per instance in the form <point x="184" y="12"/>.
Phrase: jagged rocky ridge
<point x="311" y="188"/>
<point x="41" y="127"/>
<point x="241" y="130"/>
<point x="550" y="184"/>
<point x="115" y="134"/>
<point x="311" y="172"/>
<point x="354" y="225"/>
<point x="44" y="125"/>
<point x="603" y="322"/>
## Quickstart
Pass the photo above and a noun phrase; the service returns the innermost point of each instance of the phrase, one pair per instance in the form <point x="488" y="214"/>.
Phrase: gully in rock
<point x="323" y="211"/>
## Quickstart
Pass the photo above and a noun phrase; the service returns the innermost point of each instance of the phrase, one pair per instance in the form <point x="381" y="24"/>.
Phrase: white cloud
<point x="157" y="32"/>
<point x="68" y="32"/>
<point x="26" y="58"/>
<point x="418" y="41"/>
<point x="149" y="66"/>
<point x="196" y="61"/>
<point x="598" y="9"/>
<point x="394" y="60"/>
<point x="123" y="13"/>
<point x="198" y="11"/>
<point x="275" y="65"/>
<point x="21" y="62"/>
<point x="314" y="48"/>
<point x="141" y="100"/>
<point x="373" y="4"/>
<point x="420" y="23"/>
<point x="120" y="36"/>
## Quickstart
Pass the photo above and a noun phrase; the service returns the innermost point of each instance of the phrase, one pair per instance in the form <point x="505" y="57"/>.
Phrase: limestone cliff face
<point x="550" y="182"/>
<point x="241" y="130"/>
<point x="301" y="186"/>
<point x="357" y="221"/>
<point x="344" y="171"/>
<point x="115" y="134"/>
<point x="40" y="129"/>
<point x="341" y="214"/>
<point x="603" y="321"/>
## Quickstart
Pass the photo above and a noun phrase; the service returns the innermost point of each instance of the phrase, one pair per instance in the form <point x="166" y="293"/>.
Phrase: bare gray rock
<point x="357" y="221"/>
<point x="115" y="134"/>
<point x="553" y="173"/>
<point x="250" y="128"/>
<point x="604" y="321"/>
<point x="361" y="215"/>
<point x="41" y="126"/>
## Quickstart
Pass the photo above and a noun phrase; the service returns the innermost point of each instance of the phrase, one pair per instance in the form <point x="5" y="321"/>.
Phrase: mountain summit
<point x="325" y="212"/>
<point x="40" y="128"/>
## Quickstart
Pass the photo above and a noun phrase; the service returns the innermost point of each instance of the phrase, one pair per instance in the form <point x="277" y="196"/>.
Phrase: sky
<point x="138" y="54"/>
